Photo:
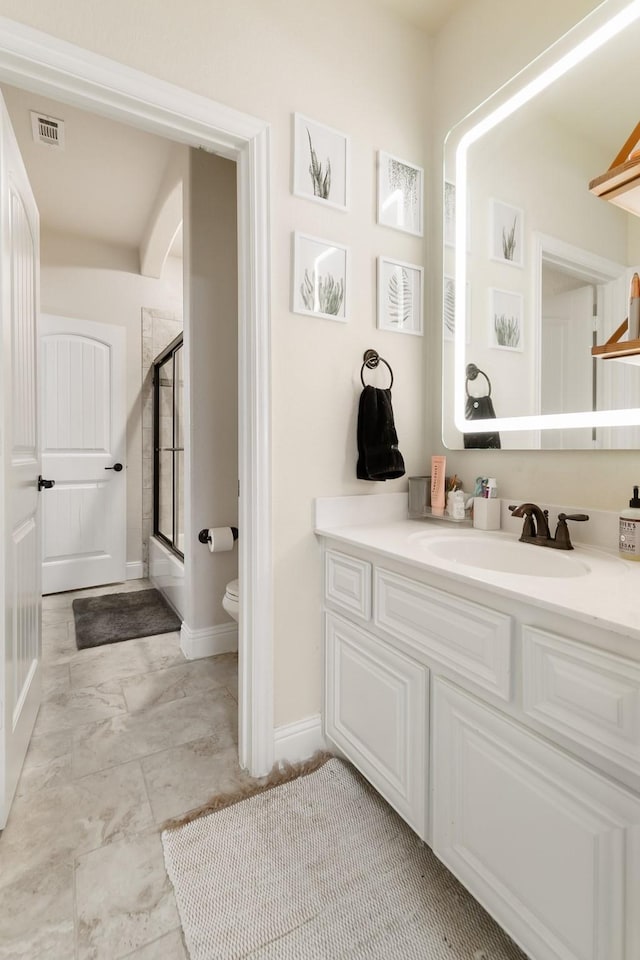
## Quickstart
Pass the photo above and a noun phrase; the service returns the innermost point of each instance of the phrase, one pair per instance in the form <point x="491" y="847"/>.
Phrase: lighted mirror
<point x="537" y="269"/>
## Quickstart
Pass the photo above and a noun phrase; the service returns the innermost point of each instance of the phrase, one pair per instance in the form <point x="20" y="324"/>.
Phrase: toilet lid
<point x="233" y="590"/>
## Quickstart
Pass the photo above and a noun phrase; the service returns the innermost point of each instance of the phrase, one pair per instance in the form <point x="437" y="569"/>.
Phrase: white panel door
<point x="546" y="844"/>
<point x="82" y="389"/>
<point x="20" y="595"/>
<point x="567" y="337"/>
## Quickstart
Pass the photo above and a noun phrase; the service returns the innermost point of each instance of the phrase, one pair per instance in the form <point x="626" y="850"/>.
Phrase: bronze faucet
<point x="536" y="526"/>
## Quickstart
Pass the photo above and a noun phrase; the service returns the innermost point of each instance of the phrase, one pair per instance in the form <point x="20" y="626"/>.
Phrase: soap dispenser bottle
<point x="629" y="540"/>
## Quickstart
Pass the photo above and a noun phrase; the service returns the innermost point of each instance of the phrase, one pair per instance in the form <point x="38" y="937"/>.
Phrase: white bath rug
<point x="319" y="869"/>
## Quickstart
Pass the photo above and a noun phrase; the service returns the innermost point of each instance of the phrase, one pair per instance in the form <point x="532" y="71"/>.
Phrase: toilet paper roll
<point x="220" y="539"/>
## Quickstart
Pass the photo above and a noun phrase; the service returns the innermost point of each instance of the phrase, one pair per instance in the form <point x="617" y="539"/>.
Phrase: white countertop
<point x="607" y="596"/>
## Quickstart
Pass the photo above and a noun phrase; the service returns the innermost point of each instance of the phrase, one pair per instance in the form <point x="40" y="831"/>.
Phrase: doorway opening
<point x="579" y="298"/>
<point x="55" y="69"/>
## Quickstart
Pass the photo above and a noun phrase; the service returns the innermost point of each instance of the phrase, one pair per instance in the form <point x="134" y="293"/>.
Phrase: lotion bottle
<point x="629" y="539"/>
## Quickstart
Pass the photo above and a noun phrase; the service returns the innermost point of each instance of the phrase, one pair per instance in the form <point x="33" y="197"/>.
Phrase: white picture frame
<point x="321" y="163"/>
<point x="319" y="278"/>
<point x="400" y="194"/>
<point x="506" y="320"/>
<point x="506" y="224"/>
<point x="449" y="308"/>
<point x="400" y="296"/>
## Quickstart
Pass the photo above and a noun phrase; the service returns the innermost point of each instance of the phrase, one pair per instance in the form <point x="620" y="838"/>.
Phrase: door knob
<point x="45" y="484"/>
<point x="117" y="467"/>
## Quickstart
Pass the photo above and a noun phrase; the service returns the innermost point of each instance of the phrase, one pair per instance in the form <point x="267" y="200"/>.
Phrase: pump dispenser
<point x="629" y="540"/>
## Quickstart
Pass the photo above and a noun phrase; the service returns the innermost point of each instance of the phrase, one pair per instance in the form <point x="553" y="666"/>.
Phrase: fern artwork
<point x="399" y="296"/>
<point x="399" y="299"/>
<point x="449" y="308"/>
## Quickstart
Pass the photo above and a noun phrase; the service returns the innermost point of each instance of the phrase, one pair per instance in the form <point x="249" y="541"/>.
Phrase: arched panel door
<point x="82" y="386"/>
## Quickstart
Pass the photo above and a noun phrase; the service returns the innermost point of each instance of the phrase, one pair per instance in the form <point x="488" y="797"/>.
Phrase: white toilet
<point x="231" y="599"/>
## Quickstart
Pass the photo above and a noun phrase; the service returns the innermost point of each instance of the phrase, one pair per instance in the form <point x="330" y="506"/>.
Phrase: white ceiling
<point x="104" y="182"/>
<point x="429" y="15"/>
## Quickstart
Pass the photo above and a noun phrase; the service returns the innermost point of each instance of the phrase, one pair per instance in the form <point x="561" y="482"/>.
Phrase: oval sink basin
<point x="506" y="556"/>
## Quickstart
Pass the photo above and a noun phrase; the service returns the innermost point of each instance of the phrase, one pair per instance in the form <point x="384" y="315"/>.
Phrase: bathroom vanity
<point x="499" y="713"/>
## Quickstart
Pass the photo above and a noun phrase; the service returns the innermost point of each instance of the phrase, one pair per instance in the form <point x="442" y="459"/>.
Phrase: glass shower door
<point x="168" y="483"/>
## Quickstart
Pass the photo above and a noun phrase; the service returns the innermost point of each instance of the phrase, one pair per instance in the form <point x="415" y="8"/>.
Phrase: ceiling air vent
<point x="47" y="130"/>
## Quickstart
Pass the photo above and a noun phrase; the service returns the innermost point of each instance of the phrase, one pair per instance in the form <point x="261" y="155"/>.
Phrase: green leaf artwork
<point x="404" y="179"/>
<point x="321" y="179"/>
<point x="322" y="294"/>
<point x="509" y="241"/>
<point x="507" y="330"/>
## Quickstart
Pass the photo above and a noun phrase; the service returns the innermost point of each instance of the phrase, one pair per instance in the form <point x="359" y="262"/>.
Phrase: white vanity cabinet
<point x="548" y="845"/>
<point x="377" y="714"/>
<point x="511" y="749"/>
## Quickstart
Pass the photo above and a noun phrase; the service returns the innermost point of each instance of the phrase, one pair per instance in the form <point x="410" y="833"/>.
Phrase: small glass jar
<point x="419" y="496"/>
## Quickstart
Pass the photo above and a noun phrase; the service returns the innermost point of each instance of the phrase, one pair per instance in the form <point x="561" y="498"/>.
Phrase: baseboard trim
<point x="299" y="741"/>
<point x="135" y="570"/>
<point x="208" y="641"/>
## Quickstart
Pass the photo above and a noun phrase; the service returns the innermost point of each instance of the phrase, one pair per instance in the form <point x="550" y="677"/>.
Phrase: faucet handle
<point x="562" y="538"/>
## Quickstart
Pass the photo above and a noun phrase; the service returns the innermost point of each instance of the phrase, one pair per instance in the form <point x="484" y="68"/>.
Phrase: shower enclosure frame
<point x="177" y="418"/>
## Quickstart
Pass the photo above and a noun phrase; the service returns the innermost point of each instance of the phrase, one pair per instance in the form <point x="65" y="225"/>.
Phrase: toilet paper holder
<point x="205" y="537"/>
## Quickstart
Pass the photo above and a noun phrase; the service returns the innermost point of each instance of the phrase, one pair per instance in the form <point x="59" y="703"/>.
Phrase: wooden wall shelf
<point x="621" y="182"/>
<point x="628" y="350"/>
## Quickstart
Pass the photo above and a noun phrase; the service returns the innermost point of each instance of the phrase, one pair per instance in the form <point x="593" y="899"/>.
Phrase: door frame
<point x="44" y="64"/>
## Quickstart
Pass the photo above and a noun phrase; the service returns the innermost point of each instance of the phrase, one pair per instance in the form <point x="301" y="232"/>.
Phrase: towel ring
<point x="371" y="360"/>
<point x="472" y="373"/>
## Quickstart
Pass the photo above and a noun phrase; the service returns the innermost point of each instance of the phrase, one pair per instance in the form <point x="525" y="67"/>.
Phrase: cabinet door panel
<point x="473" y="640"/>
<point x="376" y="713"/>
<point x="550" y="847"/>
<point x="347" y="582"/>
<point x="586" y="694"/>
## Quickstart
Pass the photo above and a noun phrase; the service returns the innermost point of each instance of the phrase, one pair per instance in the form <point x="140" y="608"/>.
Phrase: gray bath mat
<point x="122" y="616"/>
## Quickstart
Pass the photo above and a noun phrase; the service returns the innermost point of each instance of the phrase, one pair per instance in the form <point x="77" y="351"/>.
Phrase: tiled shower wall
<point x="159" y="328"/>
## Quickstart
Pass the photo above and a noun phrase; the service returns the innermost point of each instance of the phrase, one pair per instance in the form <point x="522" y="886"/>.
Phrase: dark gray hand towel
<point x="378" y="454"/>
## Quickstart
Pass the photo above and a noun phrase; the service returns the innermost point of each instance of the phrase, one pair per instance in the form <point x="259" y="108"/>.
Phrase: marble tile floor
<point x="128" y="735"/>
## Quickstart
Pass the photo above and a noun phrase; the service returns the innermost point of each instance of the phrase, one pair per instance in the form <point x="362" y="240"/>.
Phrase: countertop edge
<point x="371" y="537"/>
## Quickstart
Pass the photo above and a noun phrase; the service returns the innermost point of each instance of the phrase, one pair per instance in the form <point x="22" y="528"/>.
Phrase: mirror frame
<point x="604" y="23"/>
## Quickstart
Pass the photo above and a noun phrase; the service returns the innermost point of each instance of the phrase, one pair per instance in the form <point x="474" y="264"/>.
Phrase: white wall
<point x="96" y="281"/>
<point x="211" y="382"/>
<point x="360" y="70"/>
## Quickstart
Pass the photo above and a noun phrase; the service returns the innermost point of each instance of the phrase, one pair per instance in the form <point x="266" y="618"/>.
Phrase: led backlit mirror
<point x="537" y="268"/>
